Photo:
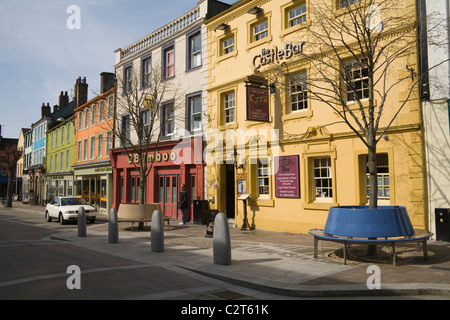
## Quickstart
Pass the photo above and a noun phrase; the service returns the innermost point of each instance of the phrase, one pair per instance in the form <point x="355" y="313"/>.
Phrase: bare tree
<point x="354" y="49"/>
<point x="146" y="110"/>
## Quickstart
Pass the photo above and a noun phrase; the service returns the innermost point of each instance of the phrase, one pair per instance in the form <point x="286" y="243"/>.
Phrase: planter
<point x="137" y="211"/>
<point x="363" y="222"/>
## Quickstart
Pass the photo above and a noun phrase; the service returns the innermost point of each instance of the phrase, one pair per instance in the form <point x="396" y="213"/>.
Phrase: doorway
<point x="230" y="192"/>
<point x="168" y="194"/>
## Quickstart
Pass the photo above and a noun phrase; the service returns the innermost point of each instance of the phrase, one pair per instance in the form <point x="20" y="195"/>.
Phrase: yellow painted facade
<point x="326" y="149"/>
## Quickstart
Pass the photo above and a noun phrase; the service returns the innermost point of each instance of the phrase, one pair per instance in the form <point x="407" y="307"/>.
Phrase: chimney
<point x="45" y="110"/>
<point x="63" y="100"/>
<point x="55" y="108"/>
<point x="81" y="91"/>
<point x="107" y="81"/>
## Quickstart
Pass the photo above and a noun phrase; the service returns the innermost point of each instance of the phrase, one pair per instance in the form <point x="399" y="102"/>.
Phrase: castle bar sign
<point x="273" y="55"/>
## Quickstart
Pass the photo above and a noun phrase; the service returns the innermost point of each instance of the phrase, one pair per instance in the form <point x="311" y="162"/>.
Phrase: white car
<point x="66" y="208"/>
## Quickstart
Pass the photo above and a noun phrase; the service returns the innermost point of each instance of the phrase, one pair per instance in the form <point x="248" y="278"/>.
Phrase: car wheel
<point x="61" y="218"/>
<point x="47" y="217"/>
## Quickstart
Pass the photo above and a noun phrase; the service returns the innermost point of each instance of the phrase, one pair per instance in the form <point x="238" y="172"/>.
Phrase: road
<point x="34" y="265"/>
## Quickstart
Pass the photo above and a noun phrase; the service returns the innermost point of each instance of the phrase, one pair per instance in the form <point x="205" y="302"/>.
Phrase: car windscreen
<point x="72" y="201"/>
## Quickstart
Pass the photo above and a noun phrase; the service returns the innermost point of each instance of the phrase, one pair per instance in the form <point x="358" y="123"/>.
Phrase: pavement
<point x="275" y="262"/>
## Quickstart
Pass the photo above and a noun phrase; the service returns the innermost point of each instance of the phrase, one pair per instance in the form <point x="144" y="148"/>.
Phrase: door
<point x="230" y="191"/>
<point x="168" y="194"/>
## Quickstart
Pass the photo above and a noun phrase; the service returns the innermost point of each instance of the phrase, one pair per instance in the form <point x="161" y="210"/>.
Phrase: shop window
<point x="298" y="92"/>
<point x="229" y="106"/>
<point x="356" y="80"/>
<point x="263" y="179"/>
<point x="322" y="179"/>
<point x="69" y="188"/>
<point x="103" y="201"/>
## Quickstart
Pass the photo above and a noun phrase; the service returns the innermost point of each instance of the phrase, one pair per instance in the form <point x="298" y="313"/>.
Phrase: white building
<point x="436" y="107"/>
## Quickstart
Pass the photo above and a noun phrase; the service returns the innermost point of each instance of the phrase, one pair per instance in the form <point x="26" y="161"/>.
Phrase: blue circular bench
<point x="362" y="225"/>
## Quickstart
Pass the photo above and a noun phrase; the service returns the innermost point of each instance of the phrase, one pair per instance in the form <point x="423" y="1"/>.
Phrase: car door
<point x="53" y="209"/>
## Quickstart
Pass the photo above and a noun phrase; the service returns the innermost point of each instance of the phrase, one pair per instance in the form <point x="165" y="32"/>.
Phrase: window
<point x="62" y="135"/>
<point x="108" y="143"/>
<point x="195" y="113"/>
<point x="297" y="15"/>
<point x="323" y="182"/>
<point x="195" y="51"/>
<point x="93" y="114"/>
<point x="79" y="150"/>
<point x="298" y="92"/>
<point x="61" y="161"/>
<point x="260" y="30"/>
<point x="228" y="45"/>
<point x="384" y="192"/>
<point x="346" y="3"/>
<point x="356" y="80"/>
<point x="68" y="132"/>
<point x="146" y="72"/>
<point x="263" y="179"/>
<point x="86" y="118"/>
<point x="128" y="80"/>
<point x="85" y="149"/>
<point x="229" y="105"/>
<point x="51" y="141"/>
<point x="145" y="123"/>
<point x="169" y="63"/>
<point x="125" y="129"/>
<point x="56" y="162"/>
<point x="110" y="107"/>
<point x="168" y="120"/>
<point x="51" y="163"/>
<point x="100" y="146"/>
<point x="101" y="111"/>
<point x="56" y="139"/>
<point x="67" y="160"/>
<point x="92" y="150"/>
<point x="80" y="120"/>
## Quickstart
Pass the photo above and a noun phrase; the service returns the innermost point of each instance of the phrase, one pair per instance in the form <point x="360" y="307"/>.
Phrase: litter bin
<point x="210" y="222"/>
<point x="200" y="211"/>
<point x="442" y="216"/>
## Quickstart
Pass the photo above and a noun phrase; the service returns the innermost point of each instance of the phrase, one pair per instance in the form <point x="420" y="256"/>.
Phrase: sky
<point x="43" y="50"/>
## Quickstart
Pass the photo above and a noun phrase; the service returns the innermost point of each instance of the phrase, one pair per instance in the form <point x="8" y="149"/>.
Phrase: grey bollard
<point x="157" y="232"/>
<point x="221" y="240"/>
<point x="113" y="227"/>
<point x="81" y="222"/>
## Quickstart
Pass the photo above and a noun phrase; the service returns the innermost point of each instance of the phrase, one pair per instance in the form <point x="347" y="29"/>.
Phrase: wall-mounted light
<point x="255" y="10"/>
<point x="411" y="69"/>
<point x="222" y="27"/>
<point x="236" y="158"/>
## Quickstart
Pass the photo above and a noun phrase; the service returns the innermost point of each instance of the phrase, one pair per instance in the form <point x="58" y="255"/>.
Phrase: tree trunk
<point x="10" y="188"/>
<point x="141" y="195"/>
<point x="373" y="187"/>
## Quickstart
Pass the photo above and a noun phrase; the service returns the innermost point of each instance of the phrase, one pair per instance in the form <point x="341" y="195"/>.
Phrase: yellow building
<point x="271" y="137"/>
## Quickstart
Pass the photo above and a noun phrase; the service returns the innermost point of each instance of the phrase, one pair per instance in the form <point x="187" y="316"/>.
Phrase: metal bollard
<point x="221" y="240"/>
<point x="157" y="232"/>
<point x="113" y="227"/>
<point x="81" y="222"/>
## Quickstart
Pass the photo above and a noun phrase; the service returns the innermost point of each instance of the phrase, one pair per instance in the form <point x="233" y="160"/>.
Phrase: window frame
<point x="355" y="66"/>
<point x="189" y="52"/>
<point x="189" y="113"/>
<point x="226" y="107"/>
<point x="127" y="79"/>
<point x="165" y="66"/>
<point x="305" y="100"/>
<point x="92" y="149"/>
<point x="165" y="119"/>
<point x="146" y="80"/>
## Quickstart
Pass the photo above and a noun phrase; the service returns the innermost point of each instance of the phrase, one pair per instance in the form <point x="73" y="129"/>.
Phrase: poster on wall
<point x="287" y="180"/>
<point x="257" y="104"/>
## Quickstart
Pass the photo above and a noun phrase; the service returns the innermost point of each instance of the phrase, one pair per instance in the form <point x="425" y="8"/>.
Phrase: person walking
<point x="183" y="203"/>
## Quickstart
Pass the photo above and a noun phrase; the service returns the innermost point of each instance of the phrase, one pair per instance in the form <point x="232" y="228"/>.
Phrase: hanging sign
<point x="257" y="103"/>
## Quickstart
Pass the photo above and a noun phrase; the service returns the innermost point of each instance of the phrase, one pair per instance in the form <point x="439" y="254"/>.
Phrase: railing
<point x="159" y="35"/>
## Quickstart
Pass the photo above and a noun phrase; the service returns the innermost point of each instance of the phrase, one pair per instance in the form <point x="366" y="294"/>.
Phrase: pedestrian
<point x="183" y="203"/>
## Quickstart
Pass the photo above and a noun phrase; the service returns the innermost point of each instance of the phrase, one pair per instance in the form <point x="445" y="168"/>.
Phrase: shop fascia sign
<point x="273" y="55"/>
<point x="151" y="157"/>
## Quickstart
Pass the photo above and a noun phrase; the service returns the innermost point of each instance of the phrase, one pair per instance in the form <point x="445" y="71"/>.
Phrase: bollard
<point x="113" y="227"/>
<point x="157" y="232"/>
<point x="221" y="240"/>
<point x="81" y="222"/>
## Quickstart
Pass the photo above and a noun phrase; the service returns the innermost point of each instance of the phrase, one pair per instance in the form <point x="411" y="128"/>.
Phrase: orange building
<point x="94" y="136"/>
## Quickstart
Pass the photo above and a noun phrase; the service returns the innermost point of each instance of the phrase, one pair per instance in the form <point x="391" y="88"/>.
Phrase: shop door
<point x="168" y="194"/>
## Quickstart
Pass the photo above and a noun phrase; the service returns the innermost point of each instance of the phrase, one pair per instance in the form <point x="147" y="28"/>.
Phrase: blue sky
<point x="40" y="56"/>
